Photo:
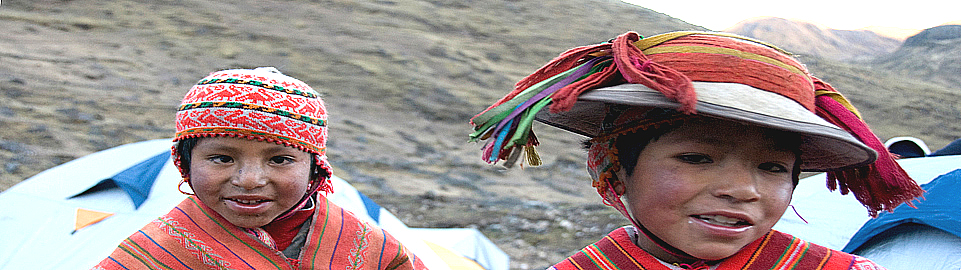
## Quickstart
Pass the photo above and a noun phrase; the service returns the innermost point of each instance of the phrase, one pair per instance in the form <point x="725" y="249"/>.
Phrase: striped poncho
<point x="776" y="250"/>
<point x="193" y="236"/>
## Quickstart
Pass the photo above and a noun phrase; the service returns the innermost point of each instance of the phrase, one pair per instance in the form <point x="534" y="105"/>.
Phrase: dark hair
<point x="630" y="145"/>
<point x="186" y="146"/>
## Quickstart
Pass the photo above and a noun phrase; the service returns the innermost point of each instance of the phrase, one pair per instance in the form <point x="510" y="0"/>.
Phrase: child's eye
<point x="281" y="160"/>
<point x="221" y="159"/>
<point x="773" y="167"/>
<point x="694" y="158"/>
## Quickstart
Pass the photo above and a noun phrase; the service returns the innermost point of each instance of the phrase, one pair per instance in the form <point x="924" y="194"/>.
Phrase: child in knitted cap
<point x="252" y="145"/>
<point x="698" y="139"/>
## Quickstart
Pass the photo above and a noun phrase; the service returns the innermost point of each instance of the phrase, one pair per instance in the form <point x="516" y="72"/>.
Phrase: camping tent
<point x="907" y="147"/>
<point x="927" y="236"/>
<point x="109" y="189"/>
<point x="830" y="219"/>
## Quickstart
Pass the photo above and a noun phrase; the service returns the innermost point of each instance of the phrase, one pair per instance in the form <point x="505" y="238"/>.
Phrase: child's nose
<point x="737" y="183"/>
<point x="250" y="177"/>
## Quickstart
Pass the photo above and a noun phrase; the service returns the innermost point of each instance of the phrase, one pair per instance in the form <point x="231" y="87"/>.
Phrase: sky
<point x="837" y="14"/>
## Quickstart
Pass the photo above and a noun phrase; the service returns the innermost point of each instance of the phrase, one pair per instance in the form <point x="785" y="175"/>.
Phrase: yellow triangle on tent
<point x="88" y="217"/>
<point x="454" y="260"/>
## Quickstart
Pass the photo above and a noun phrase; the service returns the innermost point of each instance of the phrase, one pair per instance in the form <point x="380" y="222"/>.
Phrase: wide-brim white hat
<point x="825" y="147"/>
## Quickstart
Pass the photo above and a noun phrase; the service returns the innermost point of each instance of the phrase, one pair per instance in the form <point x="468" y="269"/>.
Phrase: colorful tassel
<point x="881" y="186"/>
<point x="509" y="123"/>
<point x="561" y="81"/>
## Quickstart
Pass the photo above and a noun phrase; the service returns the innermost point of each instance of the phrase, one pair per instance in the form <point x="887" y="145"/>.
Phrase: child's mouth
<point x="722" y="220"/>
<point x="247" y="202"/>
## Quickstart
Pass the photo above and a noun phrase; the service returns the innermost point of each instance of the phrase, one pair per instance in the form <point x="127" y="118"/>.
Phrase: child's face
<point x="248" y="182"/>
<point x="709" y="188"/>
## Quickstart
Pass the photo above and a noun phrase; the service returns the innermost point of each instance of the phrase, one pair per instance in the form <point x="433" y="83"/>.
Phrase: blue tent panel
<point x="938" y="209"/>
<point x="953" y="148"/>
<point x="373" y="209"/>
<point x="136" y="181"/>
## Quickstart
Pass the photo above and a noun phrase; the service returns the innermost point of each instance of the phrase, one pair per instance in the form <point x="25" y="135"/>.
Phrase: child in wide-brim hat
<point x="698" y="139"/>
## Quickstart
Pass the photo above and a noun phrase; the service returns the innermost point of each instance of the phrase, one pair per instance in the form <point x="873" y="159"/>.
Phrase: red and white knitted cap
<point x="256" y="104"/>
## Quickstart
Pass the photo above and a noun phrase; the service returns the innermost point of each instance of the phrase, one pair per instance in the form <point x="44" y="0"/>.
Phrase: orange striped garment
<point x="776" y="250"/>
<point x="193" y="236"/>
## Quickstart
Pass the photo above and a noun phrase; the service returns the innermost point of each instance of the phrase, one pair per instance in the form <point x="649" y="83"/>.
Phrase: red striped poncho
<point x="776" y="250"/>
<point x="193" y="236"/>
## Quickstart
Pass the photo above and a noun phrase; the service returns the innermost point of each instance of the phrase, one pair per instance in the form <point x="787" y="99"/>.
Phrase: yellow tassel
<point x="840" y="99"/>
<point x="532" y="157"/>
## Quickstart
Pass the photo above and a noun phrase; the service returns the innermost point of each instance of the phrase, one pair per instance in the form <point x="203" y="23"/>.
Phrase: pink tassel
<point x="488" y="151"/>
<point x="881" y="186"/>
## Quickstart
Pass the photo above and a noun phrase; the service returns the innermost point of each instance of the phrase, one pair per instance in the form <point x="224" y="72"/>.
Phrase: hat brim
<point x="825" y="147"/>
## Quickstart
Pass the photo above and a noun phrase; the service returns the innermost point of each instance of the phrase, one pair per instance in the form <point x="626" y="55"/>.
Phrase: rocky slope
<point x="401" y="78"/>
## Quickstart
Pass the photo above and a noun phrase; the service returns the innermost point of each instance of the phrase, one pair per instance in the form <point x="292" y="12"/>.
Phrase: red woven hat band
<point x="707" y="58"/>
<point x="664" y="63"/>
<point x="259" y="104"/>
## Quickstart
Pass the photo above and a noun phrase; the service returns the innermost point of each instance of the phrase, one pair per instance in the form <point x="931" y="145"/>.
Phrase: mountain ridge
<point x="812" y="39"/>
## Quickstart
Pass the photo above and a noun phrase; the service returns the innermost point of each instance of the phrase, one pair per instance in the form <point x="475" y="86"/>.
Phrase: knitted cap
<point x="256" y="104"/>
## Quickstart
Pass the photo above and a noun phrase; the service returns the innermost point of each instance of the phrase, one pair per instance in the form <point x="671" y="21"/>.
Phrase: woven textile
<point x="775" y="250"/>
<point x="259" y="104"/>
<point x="193" y="236"/>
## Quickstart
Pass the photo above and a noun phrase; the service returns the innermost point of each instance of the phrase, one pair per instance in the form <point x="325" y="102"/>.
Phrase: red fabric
<point x="881" y="186"/>
<point x="260" y="104"/>
<point x="639" y="68"/>
<point x="672" y="72"/>
<point x="565" y="97"/>
<point x="775" y="250"/>
<point x="730" y="69"/>
<point x="715" y="67"/>
<point x="283" y="231"/>
<point x="193" y="236"/>
<point x="633" y="67"/>
<point x="725" y="42"/>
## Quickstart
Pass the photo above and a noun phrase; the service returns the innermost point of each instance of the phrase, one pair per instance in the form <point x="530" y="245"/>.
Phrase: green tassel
<point x="498" y="113"/>
<point x="526" y="121"/>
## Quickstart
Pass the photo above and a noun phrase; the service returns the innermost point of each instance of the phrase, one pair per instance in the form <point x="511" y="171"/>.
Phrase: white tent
<point x="467" y="242"/>
<point x="40" y="213"/>
<point x="832" y="219"/>
<point x="914" y="246"/>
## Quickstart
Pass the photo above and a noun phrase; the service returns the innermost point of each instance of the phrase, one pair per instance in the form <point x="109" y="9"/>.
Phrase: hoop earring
<point x="180" y="187"/>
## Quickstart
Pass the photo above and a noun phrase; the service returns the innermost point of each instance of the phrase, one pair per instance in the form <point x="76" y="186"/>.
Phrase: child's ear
<point x="619" y="187"/>
<point x="617" y="184"/>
